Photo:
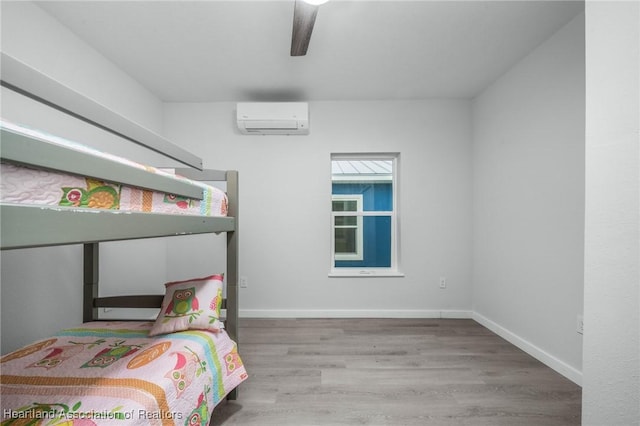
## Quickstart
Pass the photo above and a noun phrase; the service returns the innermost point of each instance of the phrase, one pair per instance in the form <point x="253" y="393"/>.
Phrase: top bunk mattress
<point x="26" y="185"/>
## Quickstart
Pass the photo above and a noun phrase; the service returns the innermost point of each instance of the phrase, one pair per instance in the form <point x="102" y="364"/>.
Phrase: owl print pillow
<point x="190" y="304"/>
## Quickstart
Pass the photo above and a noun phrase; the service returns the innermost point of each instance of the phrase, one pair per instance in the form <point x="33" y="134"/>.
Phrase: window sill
<point x="364" y="274"/>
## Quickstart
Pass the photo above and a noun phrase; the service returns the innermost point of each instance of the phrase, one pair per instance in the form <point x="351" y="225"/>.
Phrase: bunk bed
<point x="173" y="370"/>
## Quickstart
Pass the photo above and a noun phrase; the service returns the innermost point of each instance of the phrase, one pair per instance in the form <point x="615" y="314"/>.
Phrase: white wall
<point x="38" y="40"/>
<point x="528" y="201"/>
<point x="611" y="386"/>
<point x="285" y="188"/>
<point x="35" y="38"/>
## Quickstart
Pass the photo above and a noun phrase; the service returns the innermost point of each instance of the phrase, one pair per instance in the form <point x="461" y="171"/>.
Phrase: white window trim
<point x="364" y="273"/>
<point x="359" y="199"/>
<point x="394" y="269"/>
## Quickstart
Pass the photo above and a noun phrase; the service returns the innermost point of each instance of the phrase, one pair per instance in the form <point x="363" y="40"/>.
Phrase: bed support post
<point x="90" y="292"/>
<point x="231" y="323"/>
<point x="232" y="258"/>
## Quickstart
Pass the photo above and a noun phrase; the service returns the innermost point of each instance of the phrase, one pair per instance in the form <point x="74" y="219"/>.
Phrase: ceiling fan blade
<point x="304" y="16"/>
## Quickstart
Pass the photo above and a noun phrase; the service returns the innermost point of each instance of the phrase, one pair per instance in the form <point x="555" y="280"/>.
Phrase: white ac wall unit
<point x="273" y="118"/>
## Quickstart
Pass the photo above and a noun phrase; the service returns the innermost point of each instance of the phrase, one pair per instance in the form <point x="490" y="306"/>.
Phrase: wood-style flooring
<point x="396" y="372"/>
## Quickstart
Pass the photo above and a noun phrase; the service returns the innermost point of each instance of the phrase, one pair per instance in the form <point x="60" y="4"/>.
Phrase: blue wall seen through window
<point x="377" y="196"/>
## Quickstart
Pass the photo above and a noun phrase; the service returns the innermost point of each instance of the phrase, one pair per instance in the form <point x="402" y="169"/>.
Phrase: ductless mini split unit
<point x="273" y="118"/>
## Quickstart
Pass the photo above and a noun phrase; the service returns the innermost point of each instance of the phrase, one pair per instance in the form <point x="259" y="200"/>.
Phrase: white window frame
<point x="394" y="269"/>
<point x="359" y="199"/>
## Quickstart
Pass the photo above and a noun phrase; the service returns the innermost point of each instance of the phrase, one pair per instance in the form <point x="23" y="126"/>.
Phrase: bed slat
<point x="143" y="301"/>
<point x="136" y="301"/>
<point x="36" y="226"/>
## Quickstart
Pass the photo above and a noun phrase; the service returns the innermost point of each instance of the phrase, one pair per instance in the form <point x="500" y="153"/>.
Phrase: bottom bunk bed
<point x="170" y="371"/>
<point x="106" y="373"/>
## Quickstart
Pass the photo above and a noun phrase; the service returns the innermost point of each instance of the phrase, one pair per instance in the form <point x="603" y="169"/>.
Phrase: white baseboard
<point x="546" y="358"/>
<point x="351" y="313"/>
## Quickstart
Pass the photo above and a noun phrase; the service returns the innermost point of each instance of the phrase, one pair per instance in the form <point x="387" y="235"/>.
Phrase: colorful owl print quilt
<point x="24" y="185"/>
<point x="112" y="373"/>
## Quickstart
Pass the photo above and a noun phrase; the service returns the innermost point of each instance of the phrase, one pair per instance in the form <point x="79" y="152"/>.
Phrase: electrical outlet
<point x="244" y="282"/>
<point x="443" y="282"/>
<point x="580" y="325"/>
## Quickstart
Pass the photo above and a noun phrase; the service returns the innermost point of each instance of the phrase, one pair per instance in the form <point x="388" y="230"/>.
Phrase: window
<point x="347" y="229"/>
<point x="364" y="225"/>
